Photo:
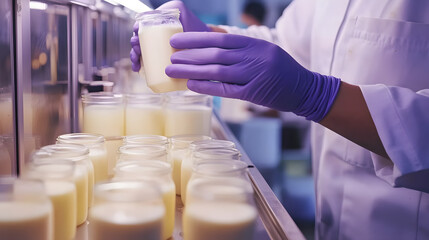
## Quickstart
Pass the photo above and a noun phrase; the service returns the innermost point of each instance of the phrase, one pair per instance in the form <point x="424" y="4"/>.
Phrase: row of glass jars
<point x="113" y="114"/>
<point x="146" y="159"/>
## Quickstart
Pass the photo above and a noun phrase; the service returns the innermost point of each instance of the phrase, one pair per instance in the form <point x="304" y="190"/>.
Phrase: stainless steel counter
<point x="274" y="221"/>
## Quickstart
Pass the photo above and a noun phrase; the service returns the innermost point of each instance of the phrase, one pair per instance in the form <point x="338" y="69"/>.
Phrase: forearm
<point x="350" y="117"/>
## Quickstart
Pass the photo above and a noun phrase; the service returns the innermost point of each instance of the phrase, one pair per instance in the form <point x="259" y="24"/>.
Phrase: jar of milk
<point x="220" y="209"/>
<point x="159" y="173"/>
<point x="57" y="176"/>
<point x="204" y="154"/>
<point x="155" y="30"/>
<point x="179" y="150"/>
<point x="25" y="210"/>
<point x="188" y="114"/>
<point x="143" y="114"/>
<point x="143" y="153"/>
<point x="84" y="174"/>
<point x="126" y="210"/>
<point x="97" y="151"/>
<point x="146" y="139"/>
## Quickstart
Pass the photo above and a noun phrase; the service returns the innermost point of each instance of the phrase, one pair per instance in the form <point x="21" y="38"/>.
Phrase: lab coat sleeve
<point x="292" y="31"/>
<point x="401" y="117"/>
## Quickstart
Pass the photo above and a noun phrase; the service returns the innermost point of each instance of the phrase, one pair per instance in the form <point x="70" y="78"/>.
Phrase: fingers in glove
<point x="206" y="56"/>
<point x="188" y="40"/>
<point x="215" y="72"/>
<point x="136" y="28"/>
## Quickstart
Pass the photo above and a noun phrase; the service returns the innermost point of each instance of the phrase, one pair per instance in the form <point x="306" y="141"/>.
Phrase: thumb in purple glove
<point x="189" y="21"/>
<point x="251" y="69"/>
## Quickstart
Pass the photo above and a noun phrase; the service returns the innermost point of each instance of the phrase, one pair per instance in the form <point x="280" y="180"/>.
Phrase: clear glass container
<point x="126" y="210"/>
<point x="179" y="148"/>
<point x="84" y="176"/>
<point x="25" y="210"/>
<point x="142" y="153"/>
<point x="97" y="151"/>
<point x="188" y="114"/>
<point x="113" y="144"/>
<point x="155" y="30"/>
<point x="104" y="113"/>
<point x="144" y="114"/>
<point x="220" y="209"/>
<point x="146" y="139"/>
<point x="57" y="176"/>
<point x="160" y="174"/>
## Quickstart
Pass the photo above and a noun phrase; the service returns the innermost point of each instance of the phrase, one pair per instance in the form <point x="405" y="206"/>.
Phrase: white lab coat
<point x="382" y="46"/>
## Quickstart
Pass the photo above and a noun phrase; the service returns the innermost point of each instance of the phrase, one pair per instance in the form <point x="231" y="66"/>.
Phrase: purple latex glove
<point x="189" y="21"/>
<point x="250" y="69"/>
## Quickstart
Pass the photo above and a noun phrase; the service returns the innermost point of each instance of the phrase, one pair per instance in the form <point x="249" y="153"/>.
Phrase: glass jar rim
<point x="145" y="139"/>
<point x="146" y="98"/>
<point x="188" y="99"/>
<point x="157" y="12"/>
<point x="74" y="152"/>
<point x="50" y="169"/>
<point x="145" y="150"/>
<point x="86" y="139"/>
<point x="116" y="190"/>
<point x="219" y="167"/>
<point x="215" y="153"/>
<point x="150" y="168"/>
<point x="211" y="143"/>
<point x="212" y="189"/>
<point x="183" y="141"/>
<point x="104" y="98"/>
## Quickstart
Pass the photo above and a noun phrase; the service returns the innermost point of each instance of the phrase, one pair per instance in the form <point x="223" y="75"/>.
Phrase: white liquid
<point x="81" y="183"/>
<point x="100" y="162"/>
<point x="156" y="52"/>
<point x="144" y="120"/>
<point x="63" y="199"/>
<point x="105" y="120"/>
<point x="177" y="157"/>
<point x="215" y="220"/>
<point x="185" y="176"/>
<point x="192" y="120"/>
<point x="25" y="221"/>
<point x="120" y="221"/>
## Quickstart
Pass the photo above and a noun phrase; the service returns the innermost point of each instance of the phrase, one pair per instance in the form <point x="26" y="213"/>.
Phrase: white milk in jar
<point x="155" y="30"/>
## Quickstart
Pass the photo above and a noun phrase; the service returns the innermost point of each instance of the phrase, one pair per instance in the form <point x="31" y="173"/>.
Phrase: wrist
<point x="319" y="98"/>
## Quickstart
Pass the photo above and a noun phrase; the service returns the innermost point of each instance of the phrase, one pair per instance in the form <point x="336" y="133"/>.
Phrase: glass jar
<point x="57" y="176"/>
<point x="160" y="174"/>
<point x="179" y="147"/>
<point x="220" y="209"/>
<point x="97" y="151"/>
<point x="232" y="164"/>
<point x="146" y="139"/>
<point x="126" y="210"/>
<point x="142" y="153"/>
<point x="84" y="175"/>
<point x="155" y="30"/>
<point x="103" y="113"/>
<point x="113" y="144"/>
<point x="144" y="114"/>
<point x="25" y="210"/>
<point x="188" y="114"/>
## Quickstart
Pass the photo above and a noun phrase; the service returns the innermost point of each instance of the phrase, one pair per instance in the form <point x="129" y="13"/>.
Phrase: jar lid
<point x="157" y="13"/>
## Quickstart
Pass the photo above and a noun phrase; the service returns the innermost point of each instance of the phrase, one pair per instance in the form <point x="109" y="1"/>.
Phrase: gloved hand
<point x="250" y="69"/>
<point x="189" y="21"/>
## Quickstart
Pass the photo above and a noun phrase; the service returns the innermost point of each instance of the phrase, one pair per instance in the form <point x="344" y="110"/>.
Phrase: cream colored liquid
<point x="126" y="221"/>
<point x="91" y="182"/>
<point x="105" y="120"/>
<point x="63" y="199"/>
<point x="214" y="221"/>
<point x="25" y="221"/>
<point x="186" y="173"/>
<point x="177" y="157"/>
<point x="144" y="120"/>
<point x="156" y="52"/>
<point x="81" y="182"/>
<point x="195" y="120"/>
<point x="112" y="147"/>
<point x="169" y="199"/>
<point x="100" y="162"/>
